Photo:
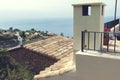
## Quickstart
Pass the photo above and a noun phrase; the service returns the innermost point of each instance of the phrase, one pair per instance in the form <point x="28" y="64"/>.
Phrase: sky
<point x="43" y="9"/>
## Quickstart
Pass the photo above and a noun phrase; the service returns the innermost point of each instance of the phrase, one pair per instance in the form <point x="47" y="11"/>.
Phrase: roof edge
<point x="89" y="3"/>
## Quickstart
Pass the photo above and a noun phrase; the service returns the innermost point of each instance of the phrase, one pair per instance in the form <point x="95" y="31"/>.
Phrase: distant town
<point x="14" y="37"/>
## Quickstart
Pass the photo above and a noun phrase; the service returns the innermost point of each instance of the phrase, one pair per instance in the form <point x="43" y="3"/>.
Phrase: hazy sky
<point x="40" y="9"/>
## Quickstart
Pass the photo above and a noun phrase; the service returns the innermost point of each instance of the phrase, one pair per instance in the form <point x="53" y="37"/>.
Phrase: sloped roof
<point x="32" y="61"/>
<point x="56" y="47"/>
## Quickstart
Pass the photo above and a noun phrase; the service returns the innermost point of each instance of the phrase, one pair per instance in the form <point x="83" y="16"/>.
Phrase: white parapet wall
<point x="98" y="66"/>
<point x="92" y="66"/>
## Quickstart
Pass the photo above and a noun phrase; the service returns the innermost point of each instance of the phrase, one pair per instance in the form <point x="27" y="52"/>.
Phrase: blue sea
<point x="64" y="25"/>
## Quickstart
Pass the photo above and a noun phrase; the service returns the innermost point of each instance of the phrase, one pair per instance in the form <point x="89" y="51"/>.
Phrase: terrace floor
<point x="111" y="46"/>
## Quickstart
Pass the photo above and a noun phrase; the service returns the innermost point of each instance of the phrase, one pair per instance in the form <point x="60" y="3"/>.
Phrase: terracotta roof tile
<point x="56" y="46"/>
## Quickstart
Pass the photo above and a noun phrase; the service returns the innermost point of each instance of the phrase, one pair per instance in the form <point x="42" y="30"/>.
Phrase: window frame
<point x="86" y="10"/>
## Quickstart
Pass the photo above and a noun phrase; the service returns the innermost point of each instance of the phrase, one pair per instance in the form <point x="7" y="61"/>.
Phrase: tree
<point x="46" y="33"/>
<point x="68" y="37"/>
<point x="39" y="31"/>
<point x="11" y="28"/>
<point x="61" y="34"/>
<point x="0" y="32"/>
<point x="22" y="34"/>
<point x="16" y="30"/>
<point x="32" y="31"/>
<point x="10" y="70"/>
<point x="43" y="33"/>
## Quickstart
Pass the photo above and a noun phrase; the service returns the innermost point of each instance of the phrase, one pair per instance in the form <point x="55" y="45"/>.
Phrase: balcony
<point x="91" y="40"/>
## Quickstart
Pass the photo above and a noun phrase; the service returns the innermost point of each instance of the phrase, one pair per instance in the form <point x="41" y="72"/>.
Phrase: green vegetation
<point x="11" y="70"/>
<point x="61" y="34"/>
<point x="33" y="35"/>
<point x="1" y="41"/>
<point x="22" y="34"/>
<point x="32" y="31"/>
<point x="8" y="37"/>
<point x="11" y="29"/>
<point x="1" y="31"/>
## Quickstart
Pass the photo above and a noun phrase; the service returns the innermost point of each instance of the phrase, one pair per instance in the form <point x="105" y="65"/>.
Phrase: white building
<point x="90" y="65"/>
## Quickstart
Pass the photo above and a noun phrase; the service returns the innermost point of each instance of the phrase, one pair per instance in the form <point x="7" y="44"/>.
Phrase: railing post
<point x="115" y="43"/>
<point x="82" y="41"/>
<point x="101" y="41"/>
<point x="88" y="40"/>
<point x="94" y="40"/>
<point x="119" y="23"/>
<point x="108" y="44"/>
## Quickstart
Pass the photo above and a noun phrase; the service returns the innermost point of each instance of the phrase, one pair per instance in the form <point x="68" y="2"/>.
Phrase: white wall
<point x="98" y="67"/>
<point x="93" y="67"/>
<point x="94" y="22"/>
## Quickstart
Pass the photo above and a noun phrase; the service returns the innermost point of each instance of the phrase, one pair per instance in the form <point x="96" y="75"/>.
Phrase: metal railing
<point x="111" y="24"/>
<point x="89" y="38"/>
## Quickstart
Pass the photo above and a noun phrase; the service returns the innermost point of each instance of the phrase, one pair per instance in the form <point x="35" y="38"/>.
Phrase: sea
<point x="57" y="26"/>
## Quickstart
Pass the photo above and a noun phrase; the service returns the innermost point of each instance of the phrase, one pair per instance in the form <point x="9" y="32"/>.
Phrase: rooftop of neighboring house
<point x="52" y="56"/>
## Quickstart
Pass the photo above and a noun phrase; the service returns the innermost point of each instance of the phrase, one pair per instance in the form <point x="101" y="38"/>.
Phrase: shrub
<point x="11" y="70"/>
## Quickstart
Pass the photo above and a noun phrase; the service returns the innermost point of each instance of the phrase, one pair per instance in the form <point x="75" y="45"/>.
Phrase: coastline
<point x="57" y="26"/>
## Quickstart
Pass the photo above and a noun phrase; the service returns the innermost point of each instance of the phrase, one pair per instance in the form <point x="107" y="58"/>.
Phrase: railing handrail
<point x="85" y="36"/>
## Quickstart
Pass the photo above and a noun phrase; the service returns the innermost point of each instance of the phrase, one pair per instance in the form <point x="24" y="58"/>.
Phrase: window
<point x="86" y="10"/>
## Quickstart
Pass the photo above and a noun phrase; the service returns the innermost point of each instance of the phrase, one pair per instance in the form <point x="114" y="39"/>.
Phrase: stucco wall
<point x="98" y="67"/>
<point x="94" y="22"/>
<point x="93" y="67"/>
